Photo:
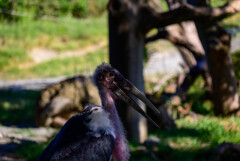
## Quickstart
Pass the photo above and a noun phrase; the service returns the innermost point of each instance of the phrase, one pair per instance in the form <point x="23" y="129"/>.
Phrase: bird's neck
<point x="109" y="106"/>
<point x="121" y="149"/>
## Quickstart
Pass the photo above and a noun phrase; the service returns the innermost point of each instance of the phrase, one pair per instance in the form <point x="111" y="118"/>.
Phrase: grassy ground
<point x="17" y="107"/>
<point x="194" y="139"/>
<point x="18" y="39"/>
<point x="58" y="67"/>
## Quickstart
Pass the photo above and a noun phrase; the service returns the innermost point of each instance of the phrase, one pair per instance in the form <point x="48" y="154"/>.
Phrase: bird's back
<point x="79" y="140"/>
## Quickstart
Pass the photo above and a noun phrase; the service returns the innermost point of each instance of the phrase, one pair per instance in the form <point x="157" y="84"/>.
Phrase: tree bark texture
<point x="225" y="93"/>
<point x="216" y="43"/>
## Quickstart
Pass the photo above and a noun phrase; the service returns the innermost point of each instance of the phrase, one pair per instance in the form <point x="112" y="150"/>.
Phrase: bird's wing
<point x="74" y="142"/>
<point x="88" y="148"/>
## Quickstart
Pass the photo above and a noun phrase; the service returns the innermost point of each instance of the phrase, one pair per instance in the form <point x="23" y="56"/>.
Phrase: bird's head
<point x="106" y="76"/>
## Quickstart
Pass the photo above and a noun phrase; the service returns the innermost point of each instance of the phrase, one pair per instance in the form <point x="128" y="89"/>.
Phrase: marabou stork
<point x="97" y="134"/>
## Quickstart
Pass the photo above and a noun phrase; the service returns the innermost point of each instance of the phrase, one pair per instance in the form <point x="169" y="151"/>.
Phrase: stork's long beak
<point x="125" y="91"/>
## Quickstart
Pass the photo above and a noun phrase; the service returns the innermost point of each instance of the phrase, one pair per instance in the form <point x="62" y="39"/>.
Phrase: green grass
<point x="11" y="56"/>
<point x="217" y="3"/>
<point x="58" y="67"/>
<point x="197" y="95"/>
<point x="17" y="107"/>
<point x="194" y="139"/>
<point x="36" y="149"/>
<point x="19" y="38"/>
<point x="28" y="31"/>
<point x="232" y="21"/>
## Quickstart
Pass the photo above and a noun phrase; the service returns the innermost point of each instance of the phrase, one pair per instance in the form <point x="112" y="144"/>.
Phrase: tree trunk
<point x="126" y="46"/>
<point x="216" y="43"/>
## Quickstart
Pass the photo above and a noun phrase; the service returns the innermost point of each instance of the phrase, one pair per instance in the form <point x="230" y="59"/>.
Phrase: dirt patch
<point x="39" y="55"/>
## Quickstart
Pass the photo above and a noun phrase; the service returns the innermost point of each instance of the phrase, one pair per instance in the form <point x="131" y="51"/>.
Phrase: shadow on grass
<point x="183" y="144"/>
<point x="17" y="107"/>
<point x="180" y="144"/>
<point x="169" y="154"/>
<point x="30" y="150"/>
<point x="17" y="110"/>
<point x="165" y="152"/>
<point x="22" y="148"/>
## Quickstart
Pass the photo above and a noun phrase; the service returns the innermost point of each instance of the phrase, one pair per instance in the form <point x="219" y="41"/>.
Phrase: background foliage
<point x="53" y="8"/>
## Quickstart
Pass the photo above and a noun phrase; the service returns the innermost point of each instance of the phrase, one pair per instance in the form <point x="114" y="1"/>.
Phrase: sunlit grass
<point x="19" y="38"/>
<point x="217" y="3"/>
<point x="58" y="67"/>
<point x="193" y="139"/>
<point x="232" y="21"/>
<point x="197" y="95"/>
<point x="73" y="28"/>
<point x="11" y="56"/>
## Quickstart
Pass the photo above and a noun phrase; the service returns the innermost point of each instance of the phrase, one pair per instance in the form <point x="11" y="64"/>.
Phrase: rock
<point x="65" y="99"/>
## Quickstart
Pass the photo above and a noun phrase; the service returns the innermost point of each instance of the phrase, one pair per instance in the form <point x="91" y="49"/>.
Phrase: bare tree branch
<point x="184" y="13"/>
<point x="176" y="40"/>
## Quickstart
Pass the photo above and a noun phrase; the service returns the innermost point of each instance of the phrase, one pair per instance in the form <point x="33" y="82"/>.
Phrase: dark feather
<point x="74" y="142"/>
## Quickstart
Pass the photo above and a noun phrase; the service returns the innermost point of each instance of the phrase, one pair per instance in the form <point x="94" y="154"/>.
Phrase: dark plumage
<point x="75" y="141"/>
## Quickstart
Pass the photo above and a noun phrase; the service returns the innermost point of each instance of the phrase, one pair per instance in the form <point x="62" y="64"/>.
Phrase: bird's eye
<point x="111" y="74"/>
<point x="100" y="77"/>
